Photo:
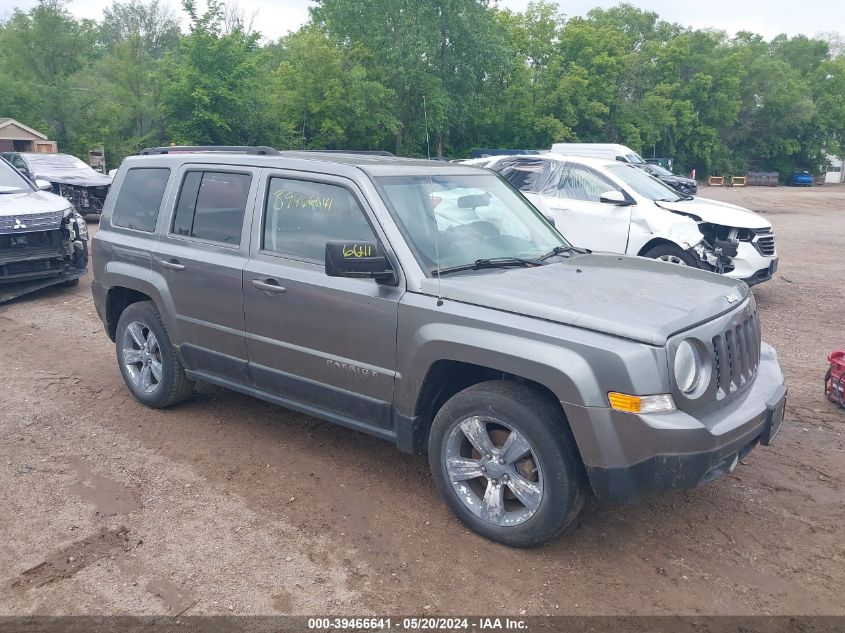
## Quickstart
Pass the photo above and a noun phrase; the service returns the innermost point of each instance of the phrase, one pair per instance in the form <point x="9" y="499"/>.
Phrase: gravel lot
<point x="226" y="504"/>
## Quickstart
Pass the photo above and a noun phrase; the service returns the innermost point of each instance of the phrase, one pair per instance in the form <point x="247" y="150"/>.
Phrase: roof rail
<point x="365" y="152"/>
<point x="196" y="149"/>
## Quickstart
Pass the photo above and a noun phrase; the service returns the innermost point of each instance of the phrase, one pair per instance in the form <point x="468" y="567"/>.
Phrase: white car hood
<point x="22" y="204"/>
<point x="716" y="212"/>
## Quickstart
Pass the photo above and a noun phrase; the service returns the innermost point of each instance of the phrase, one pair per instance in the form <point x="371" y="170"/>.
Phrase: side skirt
<point x="317" y="412"/>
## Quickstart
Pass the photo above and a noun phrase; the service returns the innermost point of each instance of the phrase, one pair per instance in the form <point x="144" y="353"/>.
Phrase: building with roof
<point x="17" y="137"/>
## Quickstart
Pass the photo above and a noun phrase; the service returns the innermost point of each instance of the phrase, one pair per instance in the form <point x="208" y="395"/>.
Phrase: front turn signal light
<point x="640" y="404"/>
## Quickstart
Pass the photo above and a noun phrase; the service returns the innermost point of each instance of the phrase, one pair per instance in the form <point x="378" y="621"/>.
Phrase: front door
<point x="201" y="255"/>
<point x="581" y="217"/>
<point x="326" y="344"/>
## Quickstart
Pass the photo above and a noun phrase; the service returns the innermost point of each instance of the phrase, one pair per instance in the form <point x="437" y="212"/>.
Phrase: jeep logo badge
<point x="19" y="224"/>
<point x="732" y="298"/>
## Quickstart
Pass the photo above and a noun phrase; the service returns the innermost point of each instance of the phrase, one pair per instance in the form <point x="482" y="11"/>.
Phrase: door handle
<point x="171" y="265"/>
<point x="269" y="286"/>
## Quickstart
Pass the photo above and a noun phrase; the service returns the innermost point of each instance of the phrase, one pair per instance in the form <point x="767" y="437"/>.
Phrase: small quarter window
<point x="301" y="216"/>
<point x="139" y="199"/>
<point x="211" y="206"/>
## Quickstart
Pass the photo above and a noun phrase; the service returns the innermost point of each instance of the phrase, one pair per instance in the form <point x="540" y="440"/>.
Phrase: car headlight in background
<point x="688" y="367"/>
<point x="79" y="223"/>
<point x="82" y="227"/>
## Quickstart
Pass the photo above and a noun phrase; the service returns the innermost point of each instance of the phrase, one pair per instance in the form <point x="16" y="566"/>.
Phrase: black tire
<point x="672" y="251"/>
<point x="540" y="421"/>
<point x="71" y="283"/>
<point x="174" y="386"/>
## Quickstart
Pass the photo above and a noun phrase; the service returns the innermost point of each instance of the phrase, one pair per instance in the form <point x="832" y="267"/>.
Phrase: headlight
<point x="687" y="367"/>
<point x="82" y="227"/>
<point x="68" y="213"/>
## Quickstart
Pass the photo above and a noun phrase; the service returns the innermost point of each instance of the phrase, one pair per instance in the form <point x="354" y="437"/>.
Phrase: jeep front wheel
<point x="506" y="463"/>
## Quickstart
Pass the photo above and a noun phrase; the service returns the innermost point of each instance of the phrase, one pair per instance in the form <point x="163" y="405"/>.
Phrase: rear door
<point x="319" y="342"/>
<point x="201" y="255"/>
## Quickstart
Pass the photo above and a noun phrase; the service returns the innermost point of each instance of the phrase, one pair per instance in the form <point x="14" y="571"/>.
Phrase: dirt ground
<point x="226" y="504"/>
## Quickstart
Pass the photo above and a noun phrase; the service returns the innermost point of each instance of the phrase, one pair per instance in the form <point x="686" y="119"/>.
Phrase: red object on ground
<point x="834" y="379"/>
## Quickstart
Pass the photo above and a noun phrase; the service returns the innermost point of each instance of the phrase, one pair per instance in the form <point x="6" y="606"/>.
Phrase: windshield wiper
<point x="560" y="250"/>
<point x="492" y="262"/>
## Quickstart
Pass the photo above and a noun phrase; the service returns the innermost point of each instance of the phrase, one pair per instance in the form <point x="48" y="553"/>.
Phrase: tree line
<point x="418" y="77"/>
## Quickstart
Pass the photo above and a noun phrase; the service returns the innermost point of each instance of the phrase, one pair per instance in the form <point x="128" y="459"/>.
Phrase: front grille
<point x="31" y="222"/>
<point x="736" y="355"/>
<point x="764" y="242"/>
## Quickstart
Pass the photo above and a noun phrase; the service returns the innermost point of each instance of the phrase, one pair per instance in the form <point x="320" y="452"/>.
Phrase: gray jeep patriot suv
<point x="431" y="305"/>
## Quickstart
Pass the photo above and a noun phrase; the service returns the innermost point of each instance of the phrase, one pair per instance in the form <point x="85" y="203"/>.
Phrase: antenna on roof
<point x="431" y="182"/>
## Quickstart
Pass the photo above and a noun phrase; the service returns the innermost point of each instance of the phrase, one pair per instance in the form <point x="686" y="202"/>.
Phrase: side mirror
<point x="357" y="259"/>
<point x="43" y="185"/>
<point x="615" y="197"/>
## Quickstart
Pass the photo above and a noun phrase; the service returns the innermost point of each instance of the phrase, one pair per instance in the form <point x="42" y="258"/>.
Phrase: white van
<point x="607" y="151"/>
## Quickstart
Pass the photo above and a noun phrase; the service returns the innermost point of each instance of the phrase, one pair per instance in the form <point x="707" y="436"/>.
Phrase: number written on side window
<point x="211" y="206"/>
<point x="301" y="216"/>
<point x="139" y="200"/>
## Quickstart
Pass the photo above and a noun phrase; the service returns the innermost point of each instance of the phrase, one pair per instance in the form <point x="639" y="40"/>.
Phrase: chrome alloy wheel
<point x="494" y="471"/>
<point x="141" y="356"/>
<point x="672" y="259"/>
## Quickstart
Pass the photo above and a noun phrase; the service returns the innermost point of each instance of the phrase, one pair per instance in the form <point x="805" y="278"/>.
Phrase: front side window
<point x="582" y="183"/>
<point x="139" y="199"/>
<point x="452" y="220"/>
<point x="301" y="216"/>
<point x="211" y="206"/>
<point x="645" y="185"/>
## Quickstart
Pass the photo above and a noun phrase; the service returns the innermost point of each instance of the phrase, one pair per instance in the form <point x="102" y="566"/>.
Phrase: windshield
<point x="633" y="157"/>
<point x="452" y="220"/>
<point x="645" y="185"/>
<point x="57" y="161"/>
<point x="11" y="180"/>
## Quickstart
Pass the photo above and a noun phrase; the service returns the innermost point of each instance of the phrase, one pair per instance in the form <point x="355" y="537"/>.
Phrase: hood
<point x="84" y="179"/>
<point x="673" y="178"/>
<point x="717" y="212"/>
<point x="631" y="297"/>
<point x="67" y="170"/>
<point x="21" y="204"/>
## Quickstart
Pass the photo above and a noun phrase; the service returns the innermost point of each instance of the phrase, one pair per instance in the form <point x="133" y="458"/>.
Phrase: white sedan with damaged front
<point x="611" y="206"/>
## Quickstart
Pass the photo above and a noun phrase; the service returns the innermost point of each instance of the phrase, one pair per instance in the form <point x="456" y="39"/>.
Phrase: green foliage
<point x="215" y="88"/>
<point x="419" y="76"/>
<point x="324" y="93"/>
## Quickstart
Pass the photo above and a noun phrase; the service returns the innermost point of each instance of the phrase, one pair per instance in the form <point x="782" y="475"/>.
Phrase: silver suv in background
<point x="43" y="241"/>
<point x="429" y="304"/>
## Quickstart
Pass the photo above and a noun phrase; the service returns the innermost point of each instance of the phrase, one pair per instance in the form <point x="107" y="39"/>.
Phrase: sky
<point x="275" y="18"/>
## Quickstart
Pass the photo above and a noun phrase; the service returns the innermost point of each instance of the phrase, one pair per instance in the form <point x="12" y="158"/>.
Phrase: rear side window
<point x="139" y="198"/>
<point x="301" y="216"/>
<point x="211" y="206"/>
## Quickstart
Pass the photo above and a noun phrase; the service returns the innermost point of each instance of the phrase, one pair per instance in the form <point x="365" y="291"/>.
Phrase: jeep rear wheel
<point x="506" y="463"/>
<point x="147" y="359"/>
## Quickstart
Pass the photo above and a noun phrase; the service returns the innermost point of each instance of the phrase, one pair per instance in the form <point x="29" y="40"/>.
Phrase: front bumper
<point x="750" y="266"/>
<point x="627" y="456"/>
